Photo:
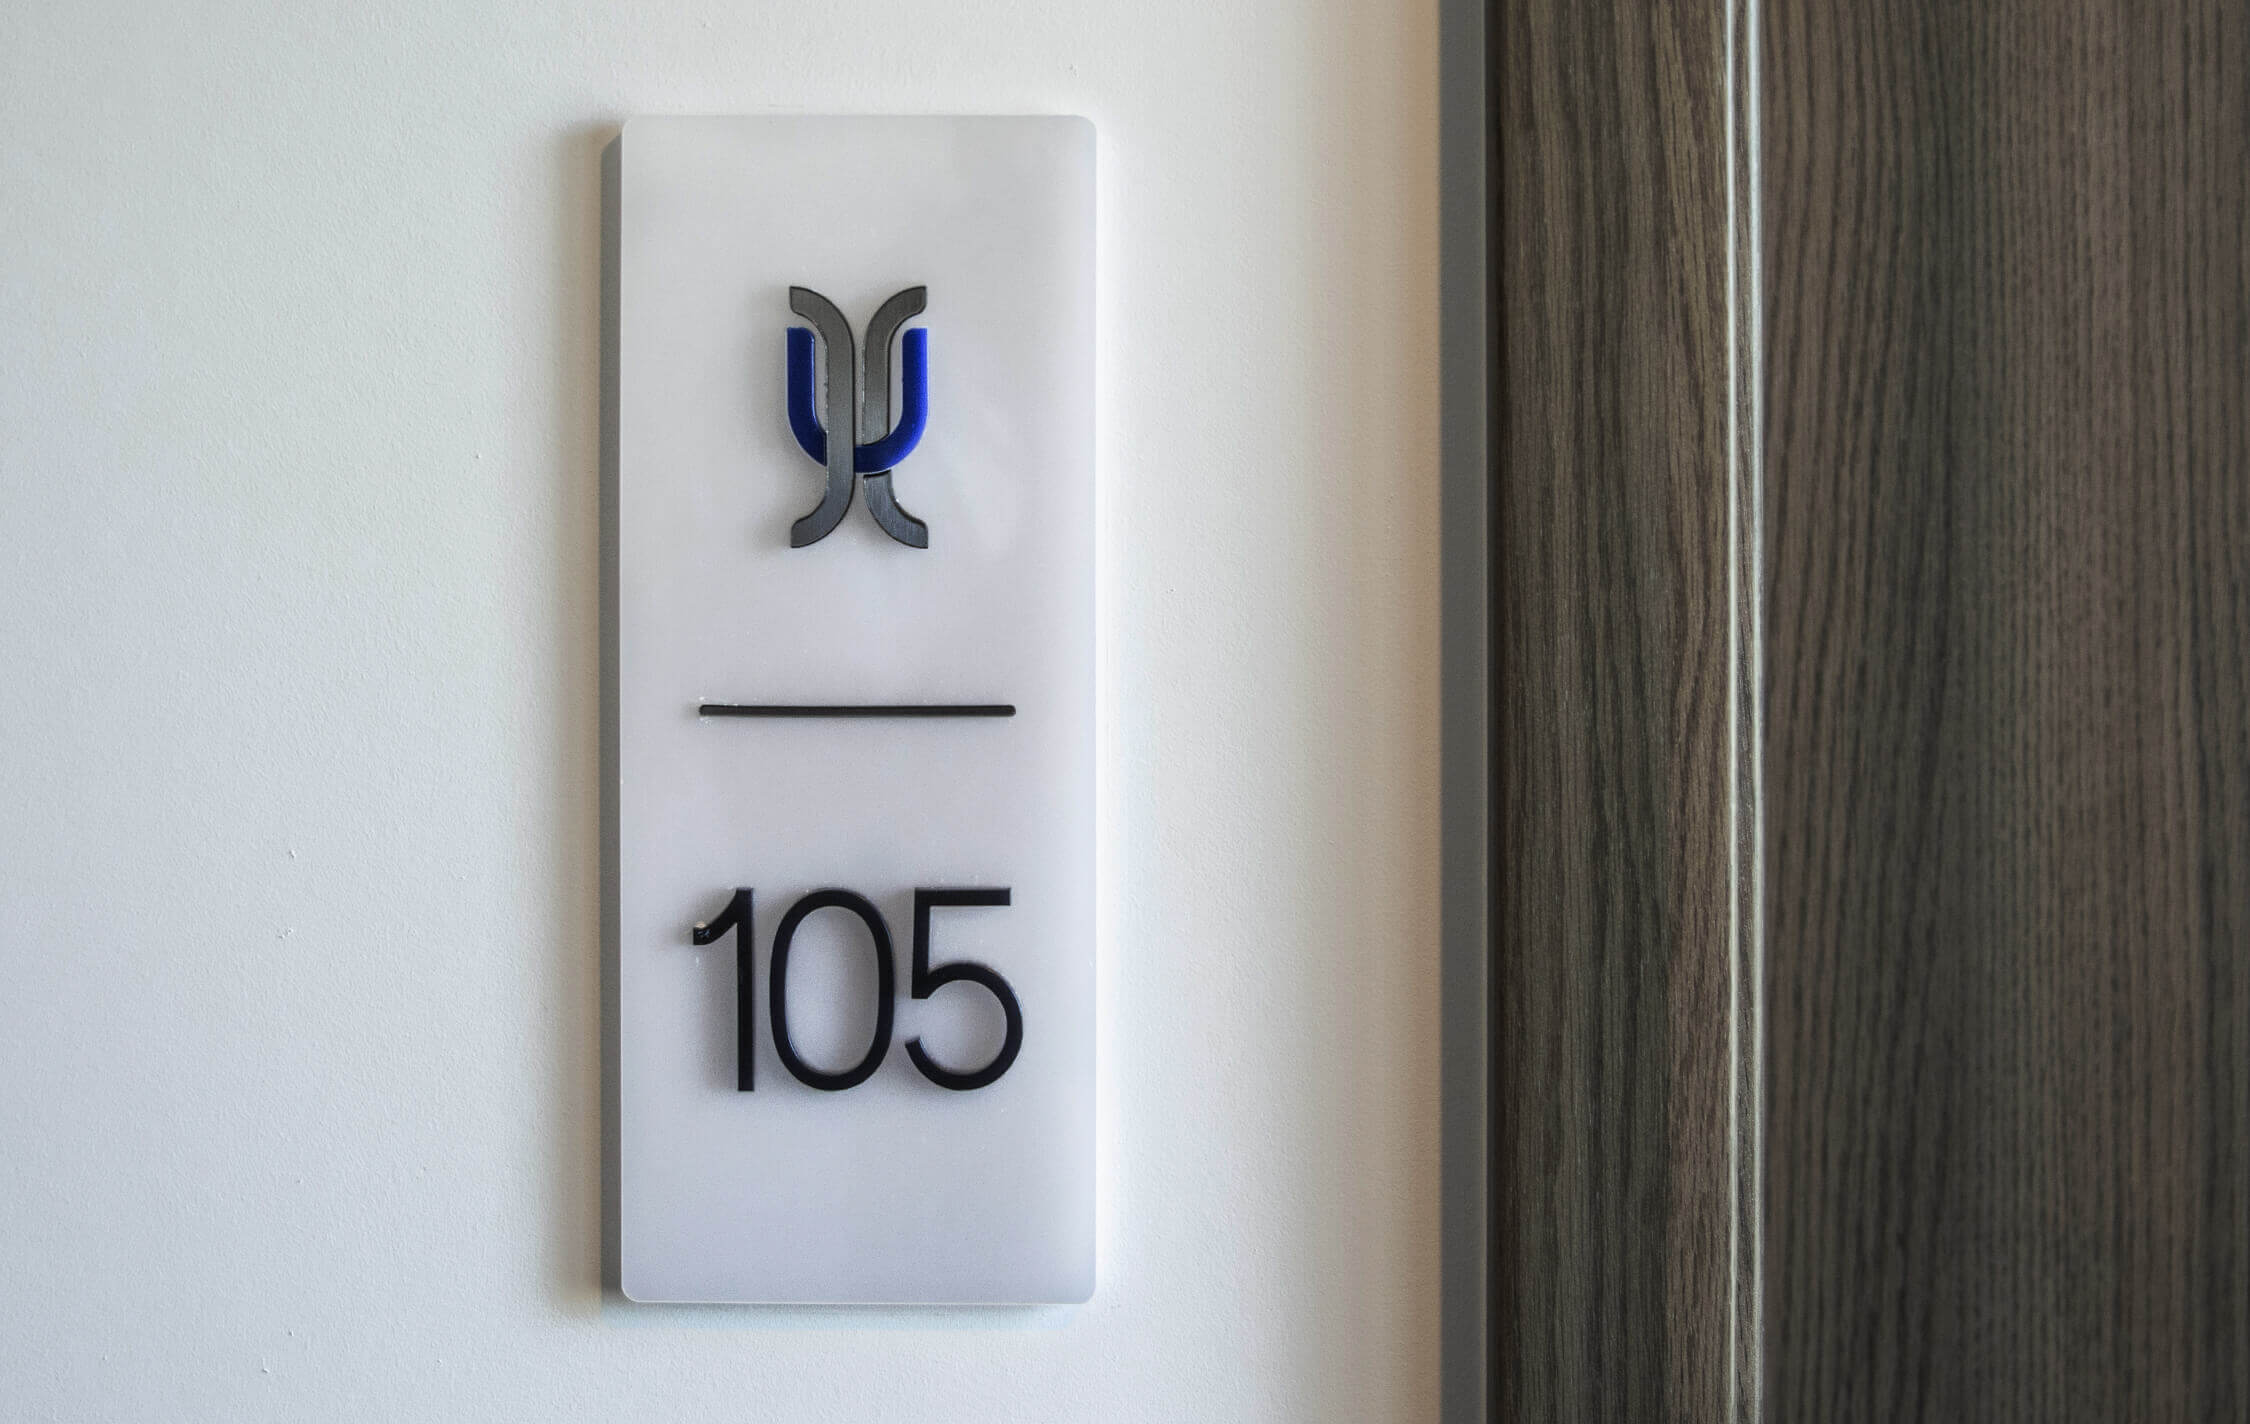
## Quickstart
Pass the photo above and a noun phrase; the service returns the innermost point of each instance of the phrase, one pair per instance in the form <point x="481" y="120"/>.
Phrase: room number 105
<point x="924" y="982"/>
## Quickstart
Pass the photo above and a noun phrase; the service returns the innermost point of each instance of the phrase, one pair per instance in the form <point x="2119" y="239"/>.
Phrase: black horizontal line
<point x="857" y="709"/>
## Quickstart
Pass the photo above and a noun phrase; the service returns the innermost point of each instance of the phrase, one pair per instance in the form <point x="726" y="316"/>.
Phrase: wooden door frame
<point x="1604" y="1059"/>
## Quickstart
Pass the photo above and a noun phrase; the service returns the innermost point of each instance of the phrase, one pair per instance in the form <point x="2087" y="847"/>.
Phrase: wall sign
<point x="855" y="710"/>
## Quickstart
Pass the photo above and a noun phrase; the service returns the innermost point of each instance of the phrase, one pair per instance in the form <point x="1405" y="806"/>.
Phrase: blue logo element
<point x="859" y="397"/>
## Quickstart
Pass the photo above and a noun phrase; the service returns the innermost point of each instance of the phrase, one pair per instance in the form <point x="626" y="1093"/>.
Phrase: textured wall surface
<point x="300" y="1067"/>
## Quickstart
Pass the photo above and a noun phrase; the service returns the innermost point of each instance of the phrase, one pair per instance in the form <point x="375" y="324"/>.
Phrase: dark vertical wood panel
<point x="1610" y="1157"/>
<point x="2008" y="759"/>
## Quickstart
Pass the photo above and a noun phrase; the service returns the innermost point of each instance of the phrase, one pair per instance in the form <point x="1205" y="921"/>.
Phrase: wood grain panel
<point x="1610" y="1169"/>
<point x="2008" y="756"/>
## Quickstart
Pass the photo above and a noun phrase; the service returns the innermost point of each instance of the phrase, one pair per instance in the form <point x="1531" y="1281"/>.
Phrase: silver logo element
<point x="858" y="399"/>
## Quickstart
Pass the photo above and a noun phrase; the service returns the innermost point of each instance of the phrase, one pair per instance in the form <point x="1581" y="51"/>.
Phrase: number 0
<point x="886" y="987"/>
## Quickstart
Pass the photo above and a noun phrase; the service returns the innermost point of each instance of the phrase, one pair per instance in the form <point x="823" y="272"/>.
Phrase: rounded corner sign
<point x="855" y="710"/>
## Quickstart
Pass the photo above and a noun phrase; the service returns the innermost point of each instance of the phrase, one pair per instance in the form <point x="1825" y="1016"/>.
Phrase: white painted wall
<point x="300" y="999"/>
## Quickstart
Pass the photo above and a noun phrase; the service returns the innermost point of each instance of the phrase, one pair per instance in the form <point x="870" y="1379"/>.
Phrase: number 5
<point x="927" y="981"/>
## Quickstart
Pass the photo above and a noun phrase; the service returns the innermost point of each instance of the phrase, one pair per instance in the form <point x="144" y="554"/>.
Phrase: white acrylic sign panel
<point x="855" y="705"/>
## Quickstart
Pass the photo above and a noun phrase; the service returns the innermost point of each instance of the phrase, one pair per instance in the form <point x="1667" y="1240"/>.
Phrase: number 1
<point x="737" y="917"/>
